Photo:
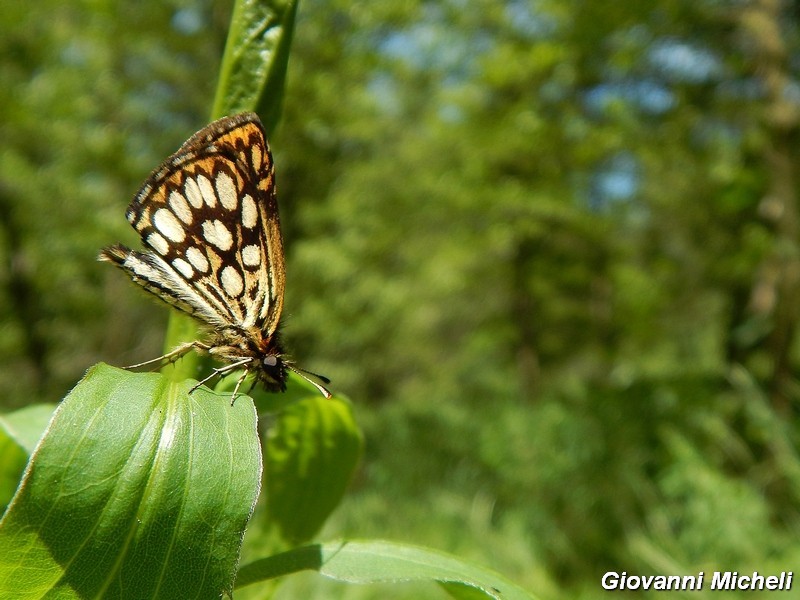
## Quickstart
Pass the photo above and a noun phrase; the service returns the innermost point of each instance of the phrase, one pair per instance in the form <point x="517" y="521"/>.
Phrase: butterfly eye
<point x="270" y="361"/>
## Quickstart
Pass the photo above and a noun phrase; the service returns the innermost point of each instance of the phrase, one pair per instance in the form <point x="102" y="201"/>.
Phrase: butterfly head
<point x="273" y="372"/>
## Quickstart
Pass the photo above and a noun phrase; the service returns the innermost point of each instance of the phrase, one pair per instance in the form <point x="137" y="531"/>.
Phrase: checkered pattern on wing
<point x="209" y="219"/>
<point x="210" y="216"/>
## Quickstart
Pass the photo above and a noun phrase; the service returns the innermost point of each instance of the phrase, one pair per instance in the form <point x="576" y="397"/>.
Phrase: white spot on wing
<point x="180" y="207"/>
<point x="207" y="190"/>
<point x="183" y="267"/>
<point x="227" y="191"/>
<point x="168" y="225"/>
<point x="193" y="194"/>
<point x="158" y="243"/>
<point x="251" y="255"/>
<point x="231" y="281"/>
<point x="217" y="234"/>
<point x="249" y="212"/>
<point x="256" y="155"/>
<point x="198" y="259"/>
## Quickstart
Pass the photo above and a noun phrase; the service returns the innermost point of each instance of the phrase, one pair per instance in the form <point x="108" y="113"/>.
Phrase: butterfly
<point x="208" y="217"/>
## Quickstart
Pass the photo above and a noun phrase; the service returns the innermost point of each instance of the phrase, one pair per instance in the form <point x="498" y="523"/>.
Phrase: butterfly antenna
<point x="307" y="375"/>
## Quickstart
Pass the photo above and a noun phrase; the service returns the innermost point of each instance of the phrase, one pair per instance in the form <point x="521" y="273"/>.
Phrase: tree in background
<point x="549" y="248"/>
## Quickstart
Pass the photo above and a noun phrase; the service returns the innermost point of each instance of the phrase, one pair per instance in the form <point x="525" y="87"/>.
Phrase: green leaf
<point x="138" y="489"/>
<point x="311" y="452"/>
<point x="26" y="425"/>
<point x="12" y="463"/>
<point x="253" y="69"/>
<point x="19" y="433"/>
<point x="381" y="562"/>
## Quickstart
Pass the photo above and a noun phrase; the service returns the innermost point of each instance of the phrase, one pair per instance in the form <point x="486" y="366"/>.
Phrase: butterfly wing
<point x="209" y="216"/>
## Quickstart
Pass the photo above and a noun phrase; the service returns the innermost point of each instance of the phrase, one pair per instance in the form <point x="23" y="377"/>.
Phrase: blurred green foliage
<point x="549" y="248"/>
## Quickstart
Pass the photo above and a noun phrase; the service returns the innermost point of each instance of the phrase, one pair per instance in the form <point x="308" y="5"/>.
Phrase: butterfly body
<point x="209" y="219"/>
<point x="266" y="358"/>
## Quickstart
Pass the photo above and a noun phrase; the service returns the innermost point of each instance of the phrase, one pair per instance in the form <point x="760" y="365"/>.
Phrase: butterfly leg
<point x="221" y="371"/>
<point x="238" y="385"/>
<point x="173" y="355"/>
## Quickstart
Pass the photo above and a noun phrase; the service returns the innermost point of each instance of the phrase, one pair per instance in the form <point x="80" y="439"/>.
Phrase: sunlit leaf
<point x="312" y="449"/>
<point x="26" y="425"/>
<point x="19" y="432"/>
<point x="381" y="562"/>
<point x="138" y="489"/>
<point x="254" y="65"/>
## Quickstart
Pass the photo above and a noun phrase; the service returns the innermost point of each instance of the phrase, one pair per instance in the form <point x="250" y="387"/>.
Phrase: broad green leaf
<point x="381" y="562"/>
<point x="19" y="432"/>
<point x="26" y="425"/>
<point x="137" y="489"/>
<point x="253" y="68"/>
<point x="12" y="463"/>
<point x="311" y="452"/>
